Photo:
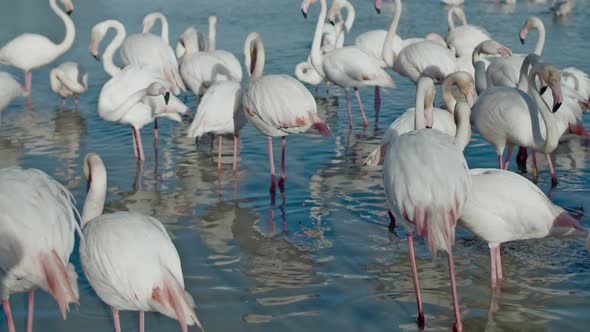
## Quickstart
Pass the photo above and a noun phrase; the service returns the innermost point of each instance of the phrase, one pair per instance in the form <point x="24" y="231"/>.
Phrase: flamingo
<point x="277" y="105"/>
<point x="37" y="230"/>
<point x="423" y="58"/>
<point x="427" y="183"/>
<point x="463" y="39"/>
<point x="504" y="206"/>
<point x="29" y="51"/>
<point x="150" y="19"/>
<point x="11" y="89"/>
<point x="436" y="118"/>
<point x="511" y="117"/>
<point x="134" y="97"/>
<point x="201" y="69"/>
<point x="561" y="8"/>
<point x="220" y="112"/>
<point x="68" y="79"/>
<point x="129" y="259"/>
<point x="348" y="67"/>
<point x="483" y="66"/>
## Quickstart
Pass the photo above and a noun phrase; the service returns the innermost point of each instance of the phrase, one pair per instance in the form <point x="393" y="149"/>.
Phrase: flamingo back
<point x="425" y="58"/>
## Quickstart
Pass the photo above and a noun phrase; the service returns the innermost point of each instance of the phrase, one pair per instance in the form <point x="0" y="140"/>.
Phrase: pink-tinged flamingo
<point x="277" y="105"/>
<point x="67" y="80"/>
<point x="348" y="67"/>
<point x="129" y="259"/>
<point x="37" y="230"/>
<point x="427" y="183"/>
<point x="463" y="39"/>
<point x="29" y="51"/>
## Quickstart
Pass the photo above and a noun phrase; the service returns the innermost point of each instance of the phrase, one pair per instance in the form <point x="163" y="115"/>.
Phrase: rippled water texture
<point x="319" y="257"/>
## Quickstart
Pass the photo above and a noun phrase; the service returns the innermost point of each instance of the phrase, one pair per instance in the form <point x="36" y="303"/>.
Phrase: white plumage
<point x="463" y="39"/>
<point x="68" y="79"/>
<point x="10" y="88"/>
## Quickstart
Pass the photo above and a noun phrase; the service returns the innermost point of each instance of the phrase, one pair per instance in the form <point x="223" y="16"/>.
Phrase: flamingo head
<point x="96" y="36"/>
<point x="192" y="40"/>
<point x="157" y="89"/>
<point x="550" y="77"/>
<point x="90" y="160"/>
<point x="305" y="7"/>
<point x="335" y="12"/>
<point x="466" y="85"/>
<point x="532" y="22"/>
<point x="148" y="22"/>
<point x="69" y="6"/>
<point x="378" y="4"/>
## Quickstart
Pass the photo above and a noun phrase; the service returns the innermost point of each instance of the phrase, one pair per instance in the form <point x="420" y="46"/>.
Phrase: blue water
<point x="319" y="257"/>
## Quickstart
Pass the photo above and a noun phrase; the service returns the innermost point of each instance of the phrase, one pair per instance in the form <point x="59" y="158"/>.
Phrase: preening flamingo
<point x="68" y="79"/>
<point x="427" y="183"/>
<point x="129" y="259"/>
<point x="29" y="51"/>
<point x="464" y="38"/>
<point x="220" y="113"/>
<point x="150" y="19"/>
<point x="347" y="67"/>
<point x="504" y="206"/>
<point x="277" y="105"/>
<point x="561" y="8"/>
<point x="37" y="230"/>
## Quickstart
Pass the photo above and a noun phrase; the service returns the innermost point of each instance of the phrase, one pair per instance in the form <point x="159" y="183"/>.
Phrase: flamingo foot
<point x="282" y="183"/>
<point x="554" y="181"/>
<point x="273" y="184"/>
<point x="458" y="327"/>
<point x="521" y="158"/>
<point x="421" y="321"/>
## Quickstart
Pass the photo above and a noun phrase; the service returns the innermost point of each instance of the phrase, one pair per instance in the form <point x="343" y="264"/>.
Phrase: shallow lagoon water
<point x="318" y="257"/>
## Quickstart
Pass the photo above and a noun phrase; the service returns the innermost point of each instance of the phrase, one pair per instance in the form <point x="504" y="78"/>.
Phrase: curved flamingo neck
<point x="456" y="11"/>
<point x="96" y="174"/>
<point x="254" y="55"/>
<point x="212" y="33"/>
<point x="109" y="52"/>
<point x="388" y="54"/>
<point x="523" y="82"/>
<point x="541" y="38"/>
<point x="551" y="134"/>
<point x="316" y="52"/>
<point x="163" y="21"/>
<point x="350" y="15"/>
<point x="340" y="26"/>
<point x="481" y="82"/>
<point x="447" y="95"/>
<point x="70" y="28"/>
<point x="424" y="87"/>
<point x="463" y="132"/>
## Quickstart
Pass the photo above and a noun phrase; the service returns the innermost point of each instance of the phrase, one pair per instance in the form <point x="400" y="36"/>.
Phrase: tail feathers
<point x="171" y="300"/>
<point x="319" y="124"/>
<point x="382" y="80"/>
<point x="438" y="226"/>
<point x="195" y="129"/>
<point x="61" y="281"/>
<point x="375" y="157"/>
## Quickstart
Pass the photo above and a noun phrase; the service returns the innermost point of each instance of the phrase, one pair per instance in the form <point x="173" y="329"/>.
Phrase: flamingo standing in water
<point x="277" y="105"/>
<point x="463" y="39"/>
<point x="348" y="67"/>
<point x="29" y="51"/>
<point x="11" y="89"/>
<point x="427" y="183"/>
<point x="129" y="259"/>
<point x="37" y="230"/>
<point x="68" y="79"/>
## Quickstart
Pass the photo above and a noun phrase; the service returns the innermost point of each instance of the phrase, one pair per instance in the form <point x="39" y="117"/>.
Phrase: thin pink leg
<point x="76" y="101"/>
<point x="235" y="163"/>
<point x="219" y="153"/>
<point x="141" y="321"/>
<point x="377" y="99"/>
<point x="358" y="98"/>
<point x="116" y="320"/>
<point x="552" y="170"/>
<point x="139" y="145"/>
<point x="508" y="156"/>
<point x="31" y="310"/>
<point x="500" y="163"/>
<point x="134" y="142"/>
<point x="283" y="148"/>
<point x="347" y="93"/>
<point x="421" y="320"/>
<point x="458" y="322"/>
<point x="63" y="102"/>
<point x="535" y="168"/>
<point x="156" y="134"/>
<point x="499" y="264"/>
<point x="28" y="80"/>
<point x="493" y="266"/>
<point x="8" y="313"/>
<point x="272" y="166"/>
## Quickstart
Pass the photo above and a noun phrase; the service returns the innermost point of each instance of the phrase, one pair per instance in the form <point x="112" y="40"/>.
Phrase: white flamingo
<point x="150" y="19"/>
<point x="464" y="38"/>
<point x="504" y="206"/>
<point x="68" y="79"/>
<point x="220" y="113"/>
<point x="509" y="117"/>
<point x="427" y="183"/>
<point x="561" y="8"/>
<point x="29" y="51"/>
<point x="277" y="105"/>
<point x="348" y="67"/>
<point x="488" y="66"/>
<point x="11" y="89"/>
<point x="440" y="119"/>
<point x="37" y="230"/>
<point x="129" y="259"/>
<point x="134" y="97"/>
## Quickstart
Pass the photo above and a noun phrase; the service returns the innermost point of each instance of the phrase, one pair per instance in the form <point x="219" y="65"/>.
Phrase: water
<point x="319" y="257"/>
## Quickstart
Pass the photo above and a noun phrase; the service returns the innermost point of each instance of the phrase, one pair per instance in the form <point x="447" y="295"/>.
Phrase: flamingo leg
<point x="116" y="320"/>
<point x="31" y="310"/>
<point x="552" y="170"/>
<point x="508" y="156"/>
<point x="347" y="93"/>
<point x="499" y="264"/>
<point x="156" y="133"/>
<point x="235" y="163"/>
<point x="28" y="81"/>
<point x="535" y="168"/>
<point x="141" y="321"/>
<point x="76" y="101"/>
<point x="493" y="267"/>
<point x="500" y="163"/>
<point x="421" y="320"/>
<point x="377" y="99"/>
<point x="358" y="98"/>
<point x="458" y="323"/>
<point x="8" y="313"/>
<point x="521" y="158"/>
<point x="219" y="153"/>
<point x="63" y="102"/>
<point x="272" y="166"/>
<point x="134" y="142"/>
<point x="139" y="145"/>
<point x="283" y="148"/>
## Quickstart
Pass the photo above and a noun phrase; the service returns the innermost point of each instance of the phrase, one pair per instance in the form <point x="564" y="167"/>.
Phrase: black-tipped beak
<point x="167" y="97"/>
<point x="556" y="107"/>
<point x="378" y="10"/>
<point x="543" y="89"/>
<point x="96" y="57"/>
<point x="521" y="40"/>
<point x="332" y="22"/>
<point x="304" y="14"/>
<point x="69" y="12"/>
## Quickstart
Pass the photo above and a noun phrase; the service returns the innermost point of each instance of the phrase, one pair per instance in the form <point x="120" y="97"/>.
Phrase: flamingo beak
<point x="167" y="97"/>
<point x="522" y="35"/>
<point x="304" y="14"/>
<point x="304" y="8"/>
<point x="557" y="96"/>
<point x="96" y="57"/>
<point x="378" y="6"/>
